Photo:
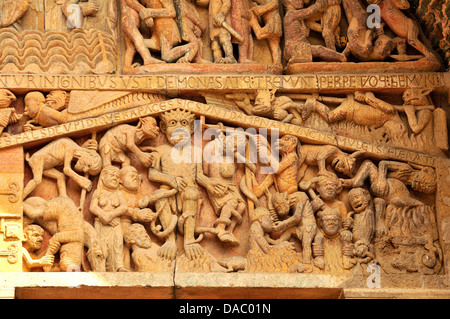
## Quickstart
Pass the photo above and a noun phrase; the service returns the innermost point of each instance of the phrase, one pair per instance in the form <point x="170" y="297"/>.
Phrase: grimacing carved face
<point x="178" y="126"/>
<point x="34" y="238"/>
<point x="330" y="222"/>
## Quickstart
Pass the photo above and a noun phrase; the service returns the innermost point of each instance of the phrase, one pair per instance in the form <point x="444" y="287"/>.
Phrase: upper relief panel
<point x="215" y="36"/>
<point x="59" y="36"/>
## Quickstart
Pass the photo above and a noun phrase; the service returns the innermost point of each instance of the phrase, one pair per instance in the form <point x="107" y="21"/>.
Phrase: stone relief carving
<point x="154" y="171"/>
<point x="161" y="197"/>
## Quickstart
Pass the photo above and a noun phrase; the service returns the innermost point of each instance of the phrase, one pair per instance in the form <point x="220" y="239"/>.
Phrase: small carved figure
<point x="286" y="177"/>
<point x="295" y="218"/>
<point x="297" y="47"/>
<point x="219" y="15"/>
<point x="108" y="204"/>
<point x="192" y="32"/>
<point x="62" y="152"/>
<point x="143" y="255"/>
<point x="332" y="216"/>
<point x="8" y="114"/>
<point x="401" y="25"/>
<point x="45" y="111"/>
<point x="403" y="224"/>
<point x="33" y="236"/>
<point x="364" y="43"/>
<point x="262" y="254"/>
<point x="363" y="216"/>
<point x="69" y="239"/>
<point x="165" y="33"/>
<point x="272" y="29"/>
<point x="176" y="168"/>
<point x="132" y="13"/>
<point x="219" y="180"/>
<point x="125" y="138"/>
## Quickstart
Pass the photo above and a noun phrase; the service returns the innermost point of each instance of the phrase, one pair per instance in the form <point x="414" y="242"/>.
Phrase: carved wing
<point x="82" y="101"/>
<point x="220" y="101"/>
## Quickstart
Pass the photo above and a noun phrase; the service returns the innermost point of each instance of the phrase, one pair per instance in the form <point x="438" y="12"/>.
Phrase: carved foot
<point x="319" y="262"/>
<point x="168" y="250"/>
<point x="227" y="237"/>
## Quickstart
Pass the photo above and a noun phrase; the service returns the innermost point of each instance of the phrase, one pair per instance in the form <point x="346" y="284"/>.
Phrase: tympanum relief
<point x="226" y="165"/>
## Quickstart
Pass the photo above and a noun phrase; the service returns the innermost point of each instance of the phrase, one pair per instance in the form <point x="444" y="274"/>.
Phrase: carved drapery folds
<point x="162" y="133"/>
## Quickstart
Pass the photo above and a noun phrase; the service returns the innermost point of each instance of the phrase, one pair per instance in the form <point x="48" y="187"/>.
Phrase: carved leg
<point x="37" y="167"/>
<point x="60" y="178"/>
<point x="331" y="18"/>
<point x="317" y="249"/>
<point x="169" y="249"/>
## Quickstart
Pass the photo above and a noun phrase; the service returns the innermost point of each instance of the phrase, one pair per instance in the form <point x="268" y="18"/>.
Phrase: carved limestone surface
<point x="218" y="136"/>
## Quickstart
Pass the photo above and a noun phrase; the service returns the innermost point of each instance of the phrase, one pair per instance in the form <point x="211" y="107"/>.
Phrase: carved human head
<point x="130" y="179"/>
<point x="424" y="180"/>
<point x="135" y="234"/>
<point x="359" y="199"/>
<point x="263" y="102"/>
<point x="88" y="161"/>
<point x="330" y="221"/>
<point x="57" y="99"/>
<point x="33" y="103"/>
<point x="33" y="236"/>
<point x="328" y="185"/>
<point x="346" y="163"/>
<point x="177" y="125"/>
<point x="280" y="202"/>
<point x="6" y="97"/>
<point x="110" y="177"/>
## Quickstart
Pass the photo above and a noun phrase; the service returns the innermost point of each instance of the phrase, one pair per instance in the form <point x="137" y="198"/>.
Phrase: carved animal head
<point x="96" y="256"/>
<point x="281" y="203"/>
<point x="417" y="96"/>
<point x="88" y="161"/>
<point x="345" y="163"/>
<point x="287" y="144"/>
<point x="148" y="126"/>
<point x="6" y="97"/>
<point x="57" y="100"/>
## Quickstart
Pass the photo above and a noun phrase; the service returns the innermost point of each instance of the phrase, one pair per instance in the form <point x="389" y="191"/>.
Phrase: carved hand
<point x="47" y="260"/>
<point x="219" y="19"/>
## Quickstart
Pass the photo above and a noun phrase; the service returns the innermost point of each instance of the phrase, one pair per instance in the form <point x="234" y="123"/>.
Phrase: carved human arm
<point x="156" y="176"/>
<point x="375" y="102"/>
<point x="35" y="263"/>
<point x="167" y="11"/>
<point x="145" y="158"/>
<point x="417" y="120"/>
<point x="84" y="182"/>
<point x="265" y="8"/>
